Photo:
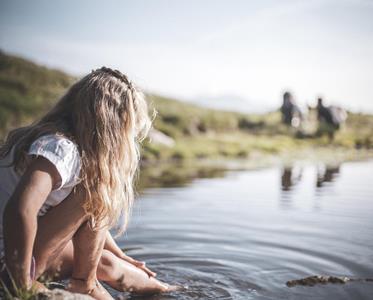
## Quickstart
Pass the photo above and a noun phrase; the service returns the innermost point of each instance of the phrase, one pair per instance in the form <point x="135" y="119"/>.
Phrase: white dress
<point x="62" y="153"/>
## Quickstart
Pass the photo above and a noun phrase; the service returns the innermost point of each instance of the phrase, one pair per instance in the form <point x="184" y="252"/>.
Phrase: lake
<point x="245" y="233"/>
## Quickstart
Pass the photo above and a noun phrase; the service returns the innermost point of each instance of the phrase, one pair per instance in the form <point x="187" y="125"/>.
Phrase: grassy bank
<point x="28" y="90"/>
<point x="204" y="133"/>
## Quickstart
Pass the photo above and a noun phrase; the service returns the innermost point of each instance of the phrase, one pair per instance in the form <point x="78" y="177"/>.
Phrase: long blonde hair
<point x="107" y="117"/>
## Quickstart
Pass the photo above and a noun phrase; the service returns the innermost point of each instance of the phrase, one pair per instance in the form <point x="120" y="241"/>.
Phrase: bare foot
<point x="101" y="293"/>
<point x="173" y="288"/>
<point x="95" y="290"/>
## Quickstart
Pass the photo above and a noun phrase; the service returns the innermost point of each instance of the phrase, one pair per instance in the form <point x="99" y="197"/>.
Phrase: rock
<point x="159" y="137"/>
<point x="55" y="285"/>
<point x="312" y="280"/>
<point x="58" y="294"/>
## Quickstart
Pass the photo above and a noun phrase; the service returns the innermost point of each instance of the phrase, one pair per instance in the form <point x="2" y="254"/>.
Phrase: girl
<point x="66" y="180"/>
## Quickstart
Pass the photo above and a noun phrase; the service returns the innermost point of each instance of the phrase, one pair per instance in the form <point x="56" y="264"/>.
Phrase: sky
<point x="196" y="49"/>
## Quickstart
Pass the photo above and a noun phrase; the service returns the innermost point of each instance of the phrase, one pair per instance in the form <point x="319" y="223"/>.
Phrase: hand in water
<point x="139" y="264"/>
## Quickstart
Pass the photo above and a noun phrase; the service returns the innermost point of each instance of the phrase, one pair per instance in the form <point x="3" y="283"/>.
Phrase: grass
<point x="27" y="90"/>
<point x="17" y="293"/>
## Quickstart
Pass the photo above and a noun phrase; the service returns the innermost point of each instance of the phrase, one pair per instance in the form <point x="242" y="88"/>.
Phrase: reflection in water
<point x="290" y="177"/>
<point x="328" y="174"/>
<point x="176" y="174"/>
<point x="181" y="174"/>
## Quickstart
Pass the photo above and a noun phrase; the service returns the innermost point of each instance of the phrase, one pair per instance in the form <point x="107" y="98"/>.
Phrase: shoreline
<point x="172" y="173"/>
<point x="257" y="159"/>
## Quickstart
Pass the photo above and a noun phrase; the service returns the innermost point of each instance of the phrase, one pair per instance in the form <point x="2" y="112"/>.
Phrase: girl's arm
<point x="20" y="218"/>
<point x="112" y="246"/>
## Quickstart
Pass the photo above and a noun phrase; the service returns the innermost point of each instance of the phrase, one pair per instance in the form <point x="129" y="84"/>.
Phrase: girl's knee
<point x="106" y="266"/>
<point x="107" y="258"/>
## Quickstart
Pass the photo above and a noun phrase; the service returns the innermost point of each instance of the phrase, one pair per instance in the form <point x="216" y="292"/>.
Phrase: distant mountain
<point x="231" y="102"/>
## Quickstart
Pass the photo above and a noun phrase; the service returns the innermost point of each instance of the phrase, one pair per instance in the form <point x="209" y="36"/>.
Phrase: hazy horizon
<point x="207" y="49"/>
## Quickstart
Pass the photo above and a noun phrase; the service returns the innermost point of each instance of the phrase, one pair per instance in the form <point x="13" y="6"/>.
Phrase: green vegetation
<point x="28" y="90"/>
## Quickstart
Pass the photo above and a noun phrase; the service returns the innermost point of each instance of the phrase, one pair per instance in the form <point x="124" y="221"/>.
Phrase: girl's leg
<point x="88" y="246"/>
<point x="54" y="251"/>
<point x="63" y="223"/>
<point x="124" y="276"/>
<point x="114" y="271"/>
<point x="56" y="229"/>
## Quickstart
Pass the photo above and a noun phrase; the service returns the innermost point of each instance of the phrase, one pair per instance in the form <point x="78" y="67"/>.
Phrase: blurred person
<point x="330" y="118"/>
<point x="291" y="114"/>
<point x="66" y="180"/>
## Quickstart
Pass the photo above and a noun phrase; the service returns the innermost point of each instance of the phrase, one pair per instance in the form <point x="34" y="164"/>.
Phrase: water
<point x="243" y="235"/>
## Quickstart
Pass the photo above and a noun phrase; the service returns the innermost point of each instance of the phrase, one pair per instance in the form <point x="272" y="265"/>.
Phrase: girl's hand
<point x="139" y="264"/>
<point x="112" y="246"/>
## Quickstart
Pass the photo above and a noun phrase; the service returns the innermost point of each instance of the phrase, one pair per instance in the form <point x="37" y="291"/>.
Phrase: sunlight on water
<point x="244" y="235"/>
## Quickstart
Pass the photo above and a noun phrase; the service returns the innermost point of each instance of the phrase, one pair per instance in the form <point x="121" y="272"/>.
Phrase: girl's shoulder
<point x="59" y="144"/>
<point x="63" y="153"/>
